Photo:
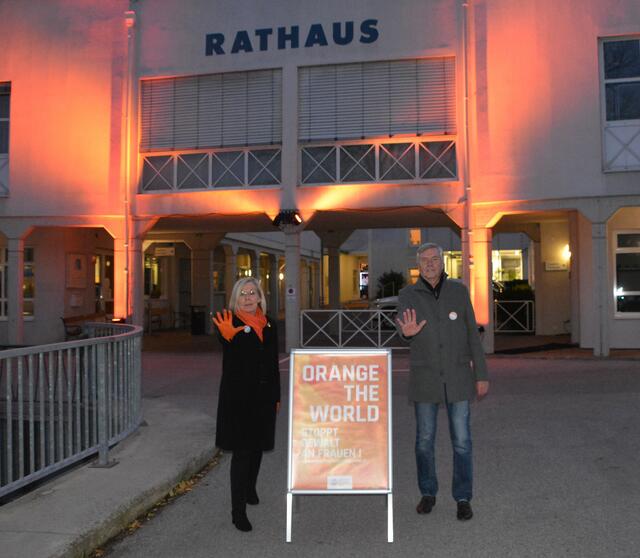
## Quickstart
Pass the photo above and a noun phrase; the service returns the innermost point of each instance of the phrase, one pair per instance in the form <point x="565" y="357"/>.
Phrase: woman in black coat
<point x="249" y="391"/>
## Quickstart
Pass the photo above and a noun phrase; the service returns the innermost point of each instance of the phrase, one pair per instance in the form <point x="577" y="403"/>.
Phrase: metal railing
<point x="349" y="328"/>
<point x="514" y="316"/>
<point x="63" y="402"/>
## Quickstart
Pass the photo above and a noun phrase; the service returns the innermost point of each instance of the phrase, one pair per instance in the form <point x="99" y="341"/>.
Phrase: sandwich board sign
<point x="340" y="425"/>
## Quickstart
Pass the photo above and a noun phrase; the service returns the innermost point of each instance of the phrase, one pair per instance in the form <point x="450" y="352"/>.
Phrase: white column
<point x="574" y="276"/>
<point x="120" y="278"/>
<point x="230" y="269"/>
<point x="317" y="284"/>
<point x="334" y="276"/>
<point x="292" y="286"/>
<point x="136" y="281"/>
<point x="538" y="284"/>
<point x="200" y="276"/>
<point x="600" y="294"/>
<point x="467" y="258"/>
<point x="15" y="280"/>
<point x="254" y="256"/>
<point x="272" y="303"/>
<point x="305" y="275"/>
<point x="289" y="149"/>
<point x="482" y="292"/>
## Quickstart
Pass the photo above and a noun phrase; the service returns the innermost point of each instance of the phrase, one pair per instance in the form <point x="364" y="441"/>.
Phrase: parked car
<point x="386" y="303"/>
<point x="391" y="302"/>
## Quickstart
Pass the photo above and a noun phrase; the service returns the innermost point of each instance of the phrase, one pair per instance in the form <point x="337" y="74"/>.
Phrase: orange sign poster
<point x="339" y="421"/>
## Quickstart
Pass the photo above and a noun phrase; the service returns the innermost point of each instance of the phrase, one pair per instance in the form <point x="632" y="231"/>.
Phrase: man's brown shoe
<point x="426" y="504"/>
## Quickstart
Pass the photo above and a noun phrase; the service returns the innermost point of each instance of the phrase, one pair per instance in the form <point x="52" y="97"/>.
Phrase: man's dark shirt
<point x="435" y="290"/>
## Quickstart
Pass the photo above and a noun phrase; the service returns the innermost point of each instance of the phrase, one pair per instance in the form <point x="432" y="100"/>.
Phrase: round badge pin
<point x="247" y="329"/>
<point x="453" y="315"/>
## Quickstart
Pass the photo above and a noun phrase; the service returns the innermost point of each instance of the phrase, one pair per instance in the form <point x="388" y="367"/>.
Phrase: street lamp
<point x="287" y="217"/>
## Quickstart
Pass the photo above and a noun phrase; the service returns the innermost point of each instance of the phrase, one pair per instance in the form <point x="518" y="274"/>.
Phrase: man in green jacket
<point x="447" y="365"/>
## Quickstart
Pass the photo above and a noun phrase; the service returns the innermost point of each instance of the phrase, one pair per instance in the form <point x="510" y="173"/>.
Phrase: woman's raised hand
<point x="224" y="323"/>
<point x="408" y="323"/>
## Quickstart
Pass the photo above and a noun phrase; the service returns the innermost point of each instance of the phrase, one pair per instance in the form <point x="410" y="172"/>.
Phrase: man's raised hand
<point x="408" y="324"/>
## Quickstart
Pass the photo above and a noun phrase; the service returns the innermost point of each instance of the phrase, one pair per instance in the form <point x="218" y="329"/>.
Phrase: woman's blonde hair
<point x="241" y="284"/>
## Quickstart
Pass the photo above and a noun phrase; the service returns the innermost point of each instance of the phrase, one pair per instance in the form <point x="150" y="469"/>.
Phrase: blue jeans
<point x="460" y="433"/>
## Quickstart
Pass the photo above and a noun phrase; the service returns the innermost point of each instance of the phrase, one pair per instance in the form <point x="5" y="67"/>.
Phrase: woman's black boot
<point x="241" y="521"/>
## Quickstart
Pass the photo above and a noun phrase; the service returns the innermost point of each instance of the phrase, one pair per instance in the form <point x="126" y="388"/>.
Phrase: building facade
<point x="136" y="138"/>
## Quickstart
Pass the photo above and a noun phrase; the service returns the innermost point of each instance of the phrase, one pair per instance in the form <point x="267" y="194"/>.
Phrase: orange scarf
<point x="256" y="321"/>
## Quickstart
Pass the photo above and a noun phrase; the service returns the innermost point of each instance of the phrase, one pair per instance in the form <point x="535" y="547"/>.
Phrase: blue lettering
<point x="369" y="31"/>
<point x="213" y="43"/>
<point x="292" y="37"/>
<point x="316" y="36"/>
<point x="242" y="42"/>
<point x="264" y="37"/>
<point x="345" y="39"/>
<point x="289" y="37"/>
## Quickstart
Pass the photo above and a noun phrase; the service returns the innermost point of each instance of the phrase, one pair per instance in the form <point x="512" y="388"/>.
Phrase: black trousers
<point x="245" y="466"/>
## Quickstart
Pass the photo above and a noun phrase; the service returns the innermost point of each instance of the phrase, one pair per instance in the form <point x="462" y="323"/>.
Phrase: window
<point x="453" y="263"/>
<point x="3" y="283"/>
<point x="216" y="110"/>
<point x="414" y="237"/>
<point x="153" y="275"/>
<point x="28" y="284"/>
<point x="621" y="84"/>
<point x="622" y="79"/>
<point x="627" y="277"/>
<point x="507" y="265"/>
<point x="374" y="99"/>
<point x="5" y="97"/>
<point x="243" y="265"/>
<point x="103" y="282"/>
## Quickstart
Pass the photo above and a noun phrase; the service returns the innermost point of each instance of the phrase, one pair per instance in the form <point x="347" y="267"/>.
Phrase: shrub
<point x="389" y="283"/>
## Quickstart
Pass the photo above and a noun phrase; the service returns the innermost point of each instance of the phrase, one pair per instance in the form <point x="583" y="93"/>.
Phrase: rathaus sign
<point x="339" y="33"/>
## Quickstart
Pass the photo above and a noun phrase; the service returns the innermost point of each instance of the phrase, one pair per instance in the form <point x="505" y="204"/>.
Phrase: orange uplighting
<point x="515" y="100"/>
<point x="61" y="136"/>
<point x="222" y="202"/>
<point x="337" y="196"/>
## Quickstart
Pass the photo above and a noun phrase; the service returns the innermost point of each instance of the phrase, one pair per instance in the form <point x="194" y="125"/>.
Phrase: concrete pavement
<point x="556" y="453"/>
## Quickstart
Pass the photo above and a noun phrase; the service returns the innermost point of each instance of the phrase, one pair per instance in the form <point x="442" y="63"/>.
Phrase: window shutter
<point x="210" y="110"/>
<point x="218" y="110"/>
<point x="353" y="101"/>
<point x="157" y="114"/>
<point x="185" y="114"/>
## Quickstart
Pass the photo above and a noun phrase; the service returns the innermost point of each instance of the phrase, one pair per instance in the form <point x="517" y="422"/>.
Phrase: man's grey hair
<point x="428" y="246"/>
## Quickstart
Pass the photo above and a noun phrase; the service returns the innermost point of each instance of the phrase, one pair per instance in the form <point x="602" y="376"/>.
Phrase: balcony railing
<point x="414" y="159"/>
<point x="622" y="146"/>
<point x="212" y="169"/>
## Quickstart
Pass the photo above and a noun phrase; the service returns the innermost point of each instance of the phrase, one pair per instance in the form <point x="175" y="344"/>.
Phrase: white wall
<point x="537" y="102"/>
<point x="588" y="321"/>
<point x="65" y="62"/>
